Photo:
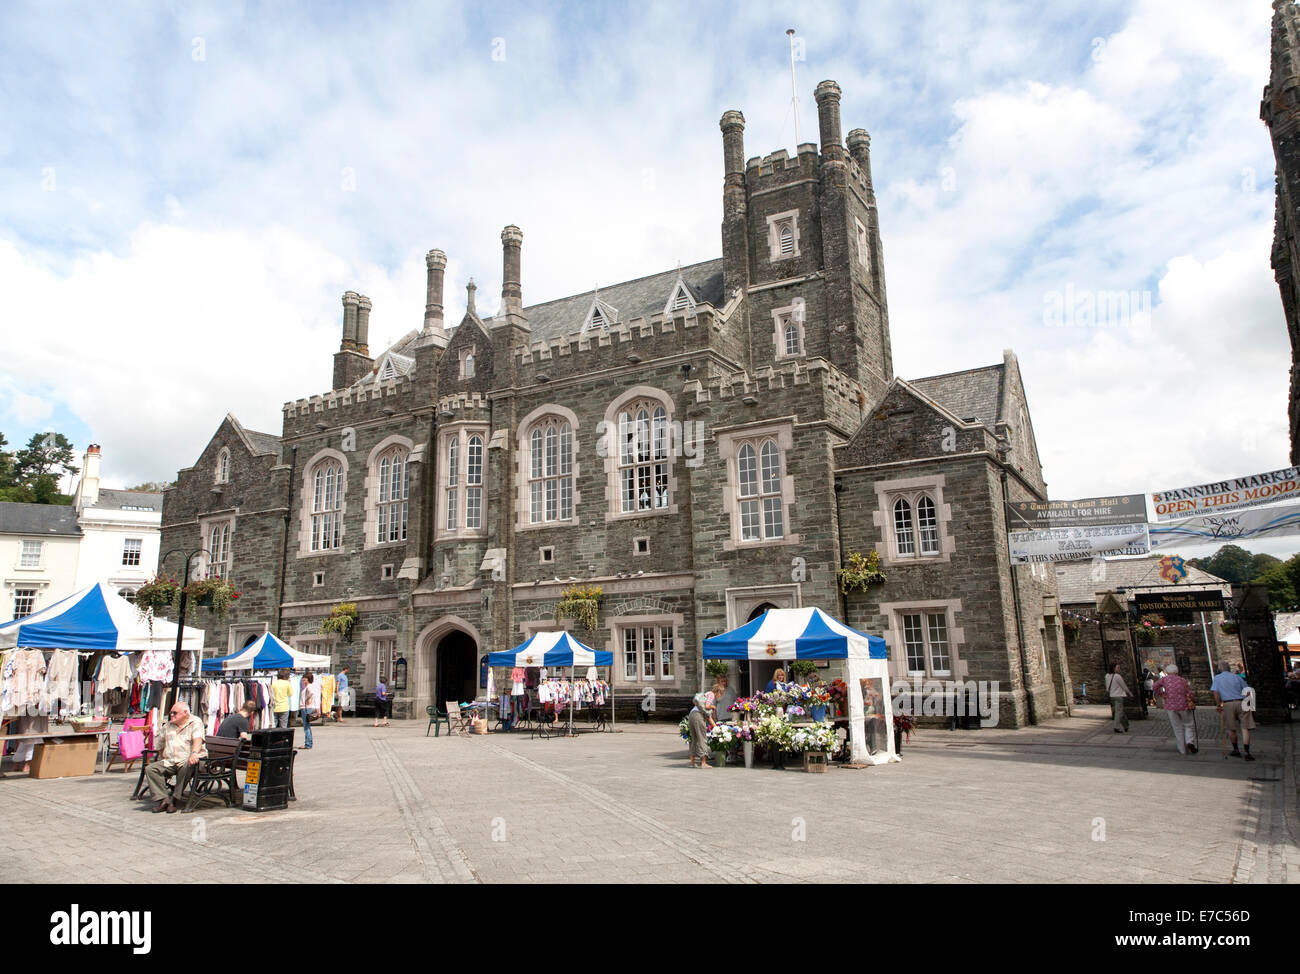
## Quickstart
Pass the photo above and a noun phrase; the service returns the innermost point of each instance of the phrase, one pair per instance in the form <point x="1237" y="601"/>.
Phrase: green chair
<point x="436" y="719"/>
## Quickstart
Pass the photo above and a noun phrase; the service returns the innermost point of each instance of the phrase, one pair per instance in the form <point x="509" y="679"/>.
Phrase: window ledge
<point x="732" y="544"/>
<point x="630" y="515"/>
<point x="549" y="524"/>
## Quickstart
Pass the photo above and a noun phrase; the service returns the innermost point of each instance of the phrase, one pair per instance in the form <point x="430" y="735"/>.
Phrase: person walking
<point x="1176" y="697"/>
<point x="1148" y="683"/>
<point x="1229" y="688"/>
<point x="308" y="707"/>
<point x="281" y="694"/>
<point x="381" y="701"/>
<point x="340" y="688"/>
<point x="1118" y="691"/>
<point x="697" y="721"/>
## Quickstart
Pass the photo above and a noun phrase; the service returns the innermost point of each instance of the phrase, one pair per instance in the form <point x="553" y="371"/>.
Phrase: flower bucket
<point x="818" y="713"/>
<point x="748" y="748"/>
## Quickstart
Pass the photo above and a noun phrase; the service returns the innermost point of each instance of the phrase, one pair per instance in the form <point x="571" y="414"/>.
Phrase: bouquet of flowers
<point x="746" y="706"/>
<point x="798" y="694"/>
<point x="905" y="723"/>
<point x="814" y="737"/>
<point x="773" y="732"/>
<point x="794" y="710"/>
<point x="743" y="732"/>
<point x="722" y="737"/>
<point x="684" y="728"/>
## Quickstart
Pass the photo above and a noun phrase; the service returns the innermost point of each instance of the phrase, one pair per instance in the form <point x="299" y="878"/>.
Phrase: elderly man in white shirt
<point x="180" y="749"/>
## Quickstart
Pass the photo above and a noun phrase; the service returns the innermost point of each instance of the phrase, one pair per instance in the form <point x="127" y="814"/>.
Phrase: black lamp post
<point x="180" y="621"/>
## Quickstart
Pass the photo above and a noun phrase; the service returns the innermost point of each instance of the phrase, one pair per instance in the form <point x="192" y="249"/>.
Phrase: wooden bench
<point x="226" y="755"/>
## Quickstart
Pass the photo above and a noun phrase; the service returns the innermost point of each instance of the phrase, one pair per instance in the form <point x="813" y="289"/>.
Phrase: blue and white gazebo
<point x="555" y="650"/>
<point x="266" y="653"/>
<point x="787" y="634"/>
<point x="96" y="618"/>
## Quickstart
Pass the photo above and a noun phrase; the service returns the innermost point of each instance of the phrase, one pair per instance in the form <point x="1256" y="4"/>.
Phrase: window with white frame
<point x="327" y="506"/>
<point x="550" y="471"/>
<point x="462" y="480"/>
<point x="783" y="235"/>
<point x="30" y="555"/>
<point x="131" y="551"/>
<point x="643" y="459"/>
<point x="219" y="554"/>
<point x="648" y="653"/>
<point x="24" y="602"/>
<point x="926" y="645"/>
<point x="223" y="467"/>
<point x="391" y="495"/>
<point x="916" y="526"/>
<point x="383" y="661"/>
<point x="758" y="482"/>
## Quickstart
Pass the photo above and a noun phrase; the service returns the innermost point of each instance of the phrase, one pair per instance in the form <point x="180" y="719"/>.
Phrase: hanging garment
<point x="155" y="665"/>
<point x="114" y="672"/>
<point x="28" y="679"/>
<point x="62" y="690"/>
<point x="6" y="680"/>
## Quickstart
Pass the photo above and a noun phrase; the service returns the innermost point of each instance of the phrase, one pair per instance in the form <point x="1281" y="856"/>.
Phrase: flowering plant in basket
<point x="218" y="591"/>
<point x="817" y="737"/>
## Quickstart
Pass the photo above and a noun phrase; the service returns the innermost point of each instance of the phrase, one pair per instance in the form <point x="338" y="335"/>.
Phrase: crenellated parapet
<point x="647" y="337"/>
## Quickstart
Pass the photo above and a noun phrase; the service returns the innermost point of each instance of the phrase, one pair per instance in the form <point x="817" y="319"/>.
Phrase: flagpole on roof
<point x="794" y="90"/>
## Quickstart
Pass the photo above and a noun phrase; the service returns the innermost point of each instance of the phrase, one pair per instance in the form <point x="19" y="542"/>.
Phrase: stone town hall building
<point x="702" y="443"/>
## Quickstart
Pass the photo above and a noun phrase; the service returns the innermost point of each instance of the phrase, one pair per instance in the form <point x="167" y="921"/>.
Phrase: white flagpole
<point x="794" y="91"/>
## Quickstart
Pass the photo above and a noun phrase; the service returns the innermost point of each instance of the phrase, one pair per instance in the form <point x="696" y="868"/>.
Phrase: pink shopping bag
<point x="130" y="744"/>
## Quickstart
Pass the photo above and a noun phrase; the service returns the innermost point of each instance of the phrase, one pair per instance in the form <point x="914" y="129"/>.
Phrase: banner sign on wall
<point x="1260" y="522"/>
<point x="1036" y="515"/>
<point x="1072" y="544"/>
<point x="1227" y="495"/>
<point x="1197" y="600"/>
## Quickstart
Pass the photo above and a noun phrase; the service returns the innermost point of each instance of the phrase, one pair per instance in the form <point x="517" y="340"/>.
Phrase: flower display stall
<point x="810" y="634"/>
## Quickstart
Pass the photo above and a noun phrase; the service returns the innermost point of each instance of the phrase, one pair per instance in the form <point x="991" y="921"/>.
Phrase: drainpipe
<point x="839" y="530"/>
<point x="284" y="544"/>
<point x="1015" y="595"/>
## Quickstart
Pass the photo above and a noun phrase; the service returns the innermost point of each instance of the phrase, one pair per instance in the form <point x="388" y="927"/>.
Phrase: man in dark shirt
<point x="238" y="724"/>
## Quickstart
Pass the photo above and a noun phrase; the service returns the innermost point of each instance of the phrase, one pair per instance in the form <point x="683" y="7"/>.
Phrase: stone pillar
<point x="735" y="206"/>
<point x="512" y="239"/>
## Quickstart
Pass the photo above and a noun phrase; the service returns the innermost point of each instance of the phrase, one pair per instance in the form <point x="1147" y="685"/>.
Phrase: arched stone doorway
<point x="455" y="668"/>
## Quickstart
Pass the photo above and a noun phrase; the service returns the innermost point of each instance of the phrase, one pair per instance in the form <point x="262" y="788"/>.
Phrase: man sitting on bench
<point x="239" y="724"/>
<point x="179" y="751"/>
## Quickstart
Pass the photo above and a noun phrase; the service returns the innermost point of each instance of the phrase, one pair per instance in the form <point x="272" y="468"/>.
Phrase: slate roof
<point x="640" y="298"/>
<point x="1075" y="584"/>
<point x="121" y="500"/>
<point x="970" y="394"/>
<point x="1285" y="622"/>
<point x="38" y="520"/>
<point x="263" y="442"/>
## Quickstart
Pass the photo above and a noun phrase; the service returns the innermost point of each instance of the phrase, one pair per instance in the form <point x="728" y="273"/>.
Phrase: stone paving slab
<point x="1068" y="801"/>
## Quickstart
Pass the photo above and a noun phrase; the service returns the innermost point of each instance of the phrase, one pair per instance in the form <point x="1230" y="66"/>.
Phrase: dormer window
<point x="389" y="371"/>
<point x="783" y="235"/>
<point x="680" y="300"/>
<point x="600" y="316"/>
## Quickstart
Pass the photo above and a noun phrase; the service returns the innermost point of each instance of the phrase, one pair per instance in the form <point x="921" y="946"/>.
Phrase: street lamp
<point x="180" y="621"/>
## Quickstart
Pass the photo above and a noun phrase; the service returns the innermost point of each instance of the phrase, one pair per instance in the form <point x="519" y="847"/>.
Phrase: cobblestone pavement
<point x="1067" y="801"/>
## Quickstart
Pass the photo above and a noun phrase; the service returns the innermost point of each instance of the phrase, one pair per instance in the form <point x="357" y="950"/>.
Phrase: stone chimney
<point x="435" y="262"/>
<point x="859" y="143"/>
<point x="735" y="206"/>
<point x="363" y="324"/>
<point x="352" y="360"/>
<point x="512" y="240"/>
<point x="470" y="288"/>
<point x="350" y="301"/>
<point x="828" y="119"/>
<point x="88" y="489"/>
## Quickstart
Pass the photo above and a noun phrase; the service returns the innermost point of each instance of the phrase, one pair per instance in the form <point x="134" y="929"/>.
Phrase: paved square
<point x="391" y="805"/>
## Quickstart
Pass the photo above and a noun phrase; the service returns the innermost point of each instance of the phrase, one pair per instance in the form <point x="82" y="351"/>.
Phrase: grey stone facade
<point x="1280" y="111"/>
<point x="780" y="347"/>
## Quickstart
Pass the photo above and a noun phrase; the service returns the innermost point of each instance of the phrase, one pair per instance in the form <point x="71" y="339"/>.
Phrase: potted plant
<point x="156" y="595"/>
<point x="819" y="700"/>
<point x="861" y="572"/>
<point x="773" y="733"/>
<point x="801" y="670"/>
<point x="714" y="668"/>
<point x="1229" y="627"/>
<point x="1072" y="628"/>
<point x="212" y="593"/>
<point x="721" y="738"/>
<point x="814" y="742"/>
<point x="582" y="603"/>
<point x="1145" y="632"/>
<point x="342" y="618"/>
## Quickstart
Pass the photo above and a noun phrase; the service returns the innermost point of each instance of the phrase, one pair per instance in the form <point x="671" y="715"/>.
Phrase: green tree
<point x="1231" y="563"/>
<point x="46" y="454"/>
<point x="1280" y="580"/>
<point x="1262" y="563"/>
<point x="6" y="464"/>
<point x="152" y="486"/>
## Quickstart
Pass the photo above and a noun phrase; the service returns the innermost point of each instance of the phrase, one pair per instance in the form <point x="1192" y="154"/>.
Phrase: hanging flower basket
<point x="861" y="572"/>
<point x="342" y="619"/>
<point x="212" y="593"/>
<point x="1072" y="628"/>
<point x="581" y="603"/>
<point x="156" y="595"/>
<point x="1145" y="633"/>
<point x="1229" y="627"/>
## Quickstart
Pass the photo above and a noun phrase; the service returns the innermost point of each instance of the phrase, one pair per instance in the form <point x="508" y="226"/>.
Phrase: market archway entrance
<point x="455" y="668"/>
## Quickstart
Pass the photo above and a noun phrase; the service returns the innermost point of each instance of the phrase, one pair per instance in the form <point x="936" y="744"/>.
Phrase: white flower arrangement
<point x="814" y="737"/>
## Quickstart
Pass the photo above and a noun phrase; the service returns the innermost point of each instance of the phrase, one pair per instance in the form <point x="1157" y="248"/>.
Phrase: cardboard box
<point x="65" y="759"/>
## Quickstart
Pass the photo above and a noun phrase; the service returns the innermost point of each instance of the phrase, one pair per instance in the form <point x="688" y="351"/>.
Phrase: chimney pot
<point x="828" y="118"/>
<point x="350" y="301"/>
<point x="470" y="288"/>
<point x="512" y="239"/>
<point x="435" y="261"/>
<point x="363" y="324"/>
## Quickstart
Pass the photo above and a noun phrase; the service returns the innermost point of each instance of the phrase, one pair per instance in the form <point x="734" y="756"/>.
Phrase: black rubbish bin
<point x="266" y="782"/>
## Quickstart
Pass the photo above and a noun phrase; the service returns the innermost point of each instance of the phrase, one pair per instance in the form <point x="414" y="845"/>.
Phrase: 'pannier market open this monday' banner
<point x="1227" y="495"/>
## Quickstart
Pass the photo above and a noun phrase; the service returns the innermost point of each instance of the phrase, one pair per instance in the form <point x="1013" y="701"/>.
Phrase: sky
<point x="186" y="190"/>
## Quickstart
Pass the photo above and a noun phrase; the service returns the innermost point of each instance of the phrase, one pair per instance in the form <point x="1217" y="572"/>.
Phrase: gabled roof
<point x="38" y="520"/>
<point x="638" y="298"/>
<point x="600" y="315"/>
<point x="680" y="298"/>
<point x="972" y="394"/>
<point x="1075" y="583"/>
<point x="259" y="444"/>
<point x="129" y="500"/>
